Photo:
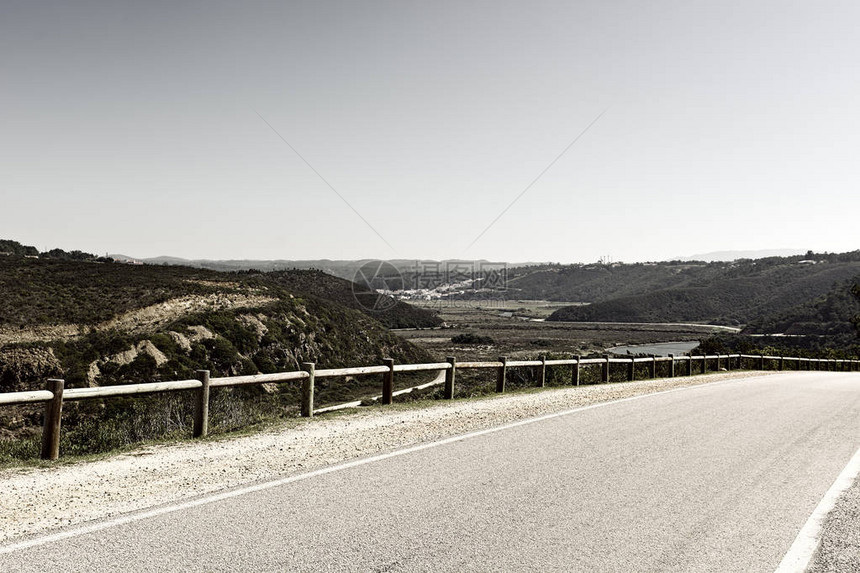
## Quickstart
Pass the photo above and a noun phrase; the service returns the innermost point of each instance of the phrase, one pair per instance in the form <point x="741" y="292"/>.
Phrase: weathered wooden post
<point x="781" y="363"/>
<point x="717" y="367"/>
<point x="388" y="382"/>
<point x="761" y="361"/>
<point x="51" y="424"/>
<point x="308" y="389"/>
<point x="450" y="375"/>
<point x="690" y="364"/>
<point x="671" y="366"/>
<point x="605" y="373"/>
<point x="542" y="374"/>
<point x="574" y="374"/>
<point x="503" y="373"/>
<point x="653" y="366"/>
<point x="201" y="406"/>
<point x="704" y="363"/>
<point x="631" y="370"/>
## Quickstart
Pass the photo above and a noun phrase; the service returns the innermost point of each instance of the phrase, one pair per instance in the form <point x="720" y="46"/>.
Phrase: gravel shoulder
<point x="36" y="500"/>
<point x="839" y="547"/>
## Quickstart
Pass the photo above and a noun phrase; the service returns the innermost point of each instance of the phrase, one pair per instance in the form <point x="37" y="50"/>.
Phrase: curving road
<point x="719" y="477"/>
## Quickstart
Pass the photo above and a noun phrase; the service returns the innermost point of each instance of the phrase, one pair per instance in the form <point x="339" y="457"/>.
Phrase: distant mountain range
<point x="345" y="269"/>
<point x="727" y="256"/>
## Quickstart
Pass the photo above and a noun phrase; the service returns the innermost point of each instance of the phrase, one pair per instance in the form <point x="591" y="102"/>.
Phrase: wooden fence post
<point x="542" y="377"/>
<point x="201" y="406"/>
<point x="717" y="367"/>
<point x="388" y="382"/>
<point x="782" y="363"/>
<point x="450" y="375"/>
<point x="308" y="389"/>
<point x="671" y="366"/>
<point x="653" y="366"/>
<point x="605" y="376"/>
<point x="51" y="424"/>
<point x="575" y="372"/>
<point x="631" y="370"/>
<point x="503" y="373"/>
<point x="690" y="364"/>
<point x="761" y="361"/>
<point x="704" y="363"/>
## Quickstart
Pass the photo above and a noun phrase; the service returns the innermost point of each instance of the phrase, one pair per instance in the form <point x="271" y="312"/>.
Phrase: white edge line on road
<point x="165" y="509"/>
<point x="801" y="551"/>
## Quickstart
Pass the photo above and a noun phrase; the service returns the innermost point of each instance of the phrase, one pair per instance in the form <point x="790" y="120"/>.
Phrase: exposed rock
<point x="140" y="321"/>
<point x="181" y="340"/>
<point x="200" y="333"/>
<point x="255" y="322"/>
<point x="126" y="357"/>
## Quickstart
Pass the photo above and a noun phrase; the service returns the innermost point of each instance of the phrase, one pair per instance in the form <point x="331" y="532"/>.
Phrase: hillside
<point x="97" y="323"/>
<point x="832" y="314"/>
<point x="721" y="293"/>
<point x="102" y="323"/>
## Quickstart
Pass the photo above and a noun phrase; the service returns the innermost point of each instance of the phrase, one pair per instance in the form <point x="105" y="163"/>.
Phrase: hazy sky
<point x="133" y="127"/>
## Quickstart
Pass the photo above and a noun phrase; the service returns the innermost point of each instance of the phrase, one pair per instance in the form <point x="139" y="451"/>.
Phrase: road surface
<point x="719" y="477"/>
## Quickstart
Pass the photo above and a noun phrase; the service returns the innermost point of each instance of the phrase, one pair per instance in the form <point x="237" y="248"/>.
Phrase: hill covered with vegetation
<point x="105" y="322"/>
<point x="833" y="314"/>
<point x="97" y="322"/>
<point x="733" y="293"/>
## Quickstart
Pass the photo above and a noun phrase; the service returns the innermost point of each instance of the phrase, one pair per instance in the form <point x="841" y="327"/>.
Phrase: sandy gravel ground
<point x="37" y="500"/>
<point x="839" y="548"/>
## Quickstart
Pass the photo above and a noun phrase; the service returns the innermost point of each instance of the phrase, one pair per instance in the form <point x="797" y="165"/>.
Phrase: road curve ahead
<point x="718" y="477"/>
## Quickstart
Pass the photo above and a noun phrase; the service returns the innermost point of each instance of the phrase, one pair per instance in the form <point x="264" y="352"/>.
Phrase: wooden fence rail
<point x="55" y="394"/>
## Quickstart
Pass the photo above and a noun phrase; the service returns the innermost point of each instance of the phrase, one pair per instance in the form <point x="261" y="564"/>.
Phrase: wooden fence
<point x="55" y="394"/>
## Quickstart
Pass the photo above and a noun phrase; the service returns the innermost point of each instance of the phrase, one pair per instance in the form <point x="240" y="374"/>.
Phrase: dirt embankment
<point x="140" y="321"/>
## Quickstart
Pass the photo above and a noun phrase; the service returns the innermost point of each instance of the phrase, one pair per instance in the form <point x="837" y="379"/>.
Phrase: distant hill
<point x="345" y="269"/>
<point x="726" y="256"/>
<point x="390" y="312"/>
<point x="722" y="293"/>
<point x="830" y="314"/>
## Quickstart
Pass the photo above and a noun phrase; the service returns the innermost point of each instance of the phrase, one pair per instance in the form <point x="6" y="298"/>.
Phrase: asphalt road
<point x="719" y="477"/>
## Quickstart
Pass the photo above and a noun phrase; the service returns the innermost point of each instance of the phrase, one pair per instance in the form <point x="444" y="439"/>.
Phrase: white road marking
<point x="165" y="509"/>
<point x="801" y="551"/>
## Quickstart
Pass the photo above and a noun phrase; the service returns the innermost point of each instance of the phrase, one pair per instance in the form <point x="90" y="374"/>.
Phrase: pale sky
<point x="132" y="127"/>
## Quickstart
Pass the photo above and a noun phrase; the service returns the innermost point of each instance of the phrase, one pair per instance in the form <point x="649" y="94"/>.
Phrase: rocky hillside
<point x="104" y="323"/>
